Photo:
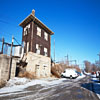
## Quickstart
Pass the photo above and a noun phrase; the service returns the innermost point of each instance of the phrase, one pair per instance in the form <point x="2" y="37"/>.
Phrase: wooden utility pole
<point x="99" y="59"/>
<point x="11" y="57"/>
<point x="54" y="51"/>
<point x="2" y="44"/>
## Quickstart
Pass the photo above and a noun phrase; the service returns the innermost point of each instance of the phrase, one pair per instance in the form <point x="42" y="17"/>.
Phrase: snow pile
<point x="18" y="84"/>
<point x="17" y="81"/>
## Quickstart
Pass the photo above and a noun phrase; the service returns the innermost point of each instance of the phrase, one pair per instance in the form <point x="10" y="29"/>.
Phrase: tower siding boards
<point x="36" y="39"/>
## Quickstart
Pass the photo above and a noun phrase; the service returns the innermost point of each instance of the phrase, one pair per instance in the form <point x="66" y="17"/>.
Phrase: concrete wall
<point x="38" y="65"/>
<point x="4" y="67"/>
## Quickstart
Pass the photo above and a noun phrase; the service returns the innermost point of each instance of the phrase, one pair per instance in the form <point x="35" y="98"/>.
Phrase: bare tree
<point x="94" y="67"/>
<point x="87" y="66"/>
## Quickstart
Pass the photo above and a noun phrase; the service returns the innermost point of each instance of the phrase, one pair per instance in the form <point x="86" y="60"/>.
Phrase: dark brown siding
<point x="37" y="40"/>
<point x="27" y="38"/>
<point x="40" y="40"/>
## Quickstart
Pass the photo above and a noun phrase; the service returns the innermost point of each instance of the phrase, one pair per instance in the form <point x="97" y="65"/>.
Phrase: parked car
<point x="69" y="73"/>
<point x="93" y="73"/>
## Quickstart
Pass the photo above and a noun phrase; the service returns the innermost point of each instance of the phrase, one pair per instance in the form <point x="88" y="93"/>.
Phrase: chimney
<point x="33" y="12"/>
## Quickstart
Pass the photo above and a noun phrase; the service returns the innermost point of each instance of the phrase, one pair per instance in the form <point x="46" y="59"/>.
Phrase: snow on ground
<point x="87" y="73"/>
<point x="93" y="76"/>
<point x="19" y="84"/>
<point x="82" y="76"/>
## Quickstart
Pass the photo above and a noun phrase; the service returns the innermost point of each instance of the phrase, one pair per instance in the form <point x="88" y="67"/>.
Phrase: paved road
<point x="66" y="90"/>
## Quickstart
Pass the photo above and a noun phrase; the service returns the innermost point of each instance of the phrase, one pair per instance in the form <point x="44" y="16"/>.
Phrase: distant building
<point x="37" y="45"/>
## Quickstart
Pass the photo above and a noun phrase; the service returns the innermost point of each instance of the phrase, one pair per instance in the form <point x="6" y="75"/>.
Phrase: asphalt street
<point x="70" y="89"/>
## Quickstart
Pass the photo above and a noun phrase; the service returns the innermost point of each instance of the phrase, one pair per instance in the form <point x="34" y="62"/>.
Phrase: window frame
<point x="27" y="49"/>
<point x="38" y="49"/>
<point x="45" y="51"/>
<point x="38" y="31"/>
<point x="26" y="29"/>
<point x="46" y="36"/>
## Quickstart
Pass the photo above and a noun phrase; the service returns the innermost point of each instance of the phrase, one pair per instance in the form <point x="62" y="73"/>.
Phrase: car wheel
<point x="71" y="77"/>
<point x="62" y="76"/>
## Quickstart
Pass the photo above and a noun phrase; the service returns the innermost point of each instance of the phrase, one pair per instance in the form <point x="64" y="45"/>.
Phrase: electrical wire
<point x="2" y="21"/>
<point x="5" y="22"/>
<point x="17" y="41"/>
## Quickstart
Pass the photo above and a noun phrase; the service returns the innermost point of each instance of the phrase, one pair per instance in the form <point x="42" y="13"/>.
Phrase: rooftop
<point x="32" y="17"/>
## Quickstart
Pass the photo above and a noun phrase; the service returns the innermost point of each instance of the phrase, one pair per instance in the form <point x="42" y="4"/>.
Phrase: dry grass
<point x="2" y="83"/>
<point x="26" y="74"/>
<point x="57" y="69"/>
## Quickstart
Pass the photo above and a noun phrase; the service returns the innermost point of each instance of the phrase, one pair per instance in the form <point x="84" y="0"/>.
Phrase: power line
<point x="5" y="22"/>
<point x="1" y="21"/>
<point x="9" y="43"/>
<point x="9" y="35"/>
<point x="17" y="41"/>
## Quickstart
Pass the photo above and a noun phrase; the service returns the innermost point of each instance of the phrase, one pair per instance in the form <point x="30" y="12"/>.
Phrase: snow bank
<point x="18" y="84"/>
<point x="87" y="73"/>
<point x="17" y="81"/>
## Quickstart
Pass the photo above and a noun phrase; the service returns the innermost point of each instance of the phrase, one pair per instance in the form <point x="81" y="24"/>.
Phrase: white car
<point x="69" y="73"/>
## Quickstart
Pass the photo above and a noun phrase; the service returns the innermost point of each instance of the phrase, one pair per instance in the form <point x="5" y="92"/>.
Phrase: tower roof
<point x="32" y="17"/>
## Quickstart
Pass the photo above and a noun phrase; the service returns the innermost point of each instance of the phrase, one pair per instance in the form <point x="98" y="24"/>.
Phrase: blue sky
<point x="76" y="24"/>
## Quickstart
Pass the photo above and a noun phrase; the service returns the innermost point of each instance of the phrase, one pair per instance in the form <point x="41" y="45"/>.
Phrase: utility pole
<point x="67" y="59"/>
<point x="99" y="59"/>
<point x="75" y="62"/>
<point x="54" y="51"/>
<point x="11" y="57"/>
<point x="2" y="44"/>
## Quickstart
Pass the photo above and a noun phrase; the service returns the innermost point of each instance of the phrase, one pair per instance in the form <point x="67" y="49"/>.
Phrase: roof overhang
<point x="30" y="18"/>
